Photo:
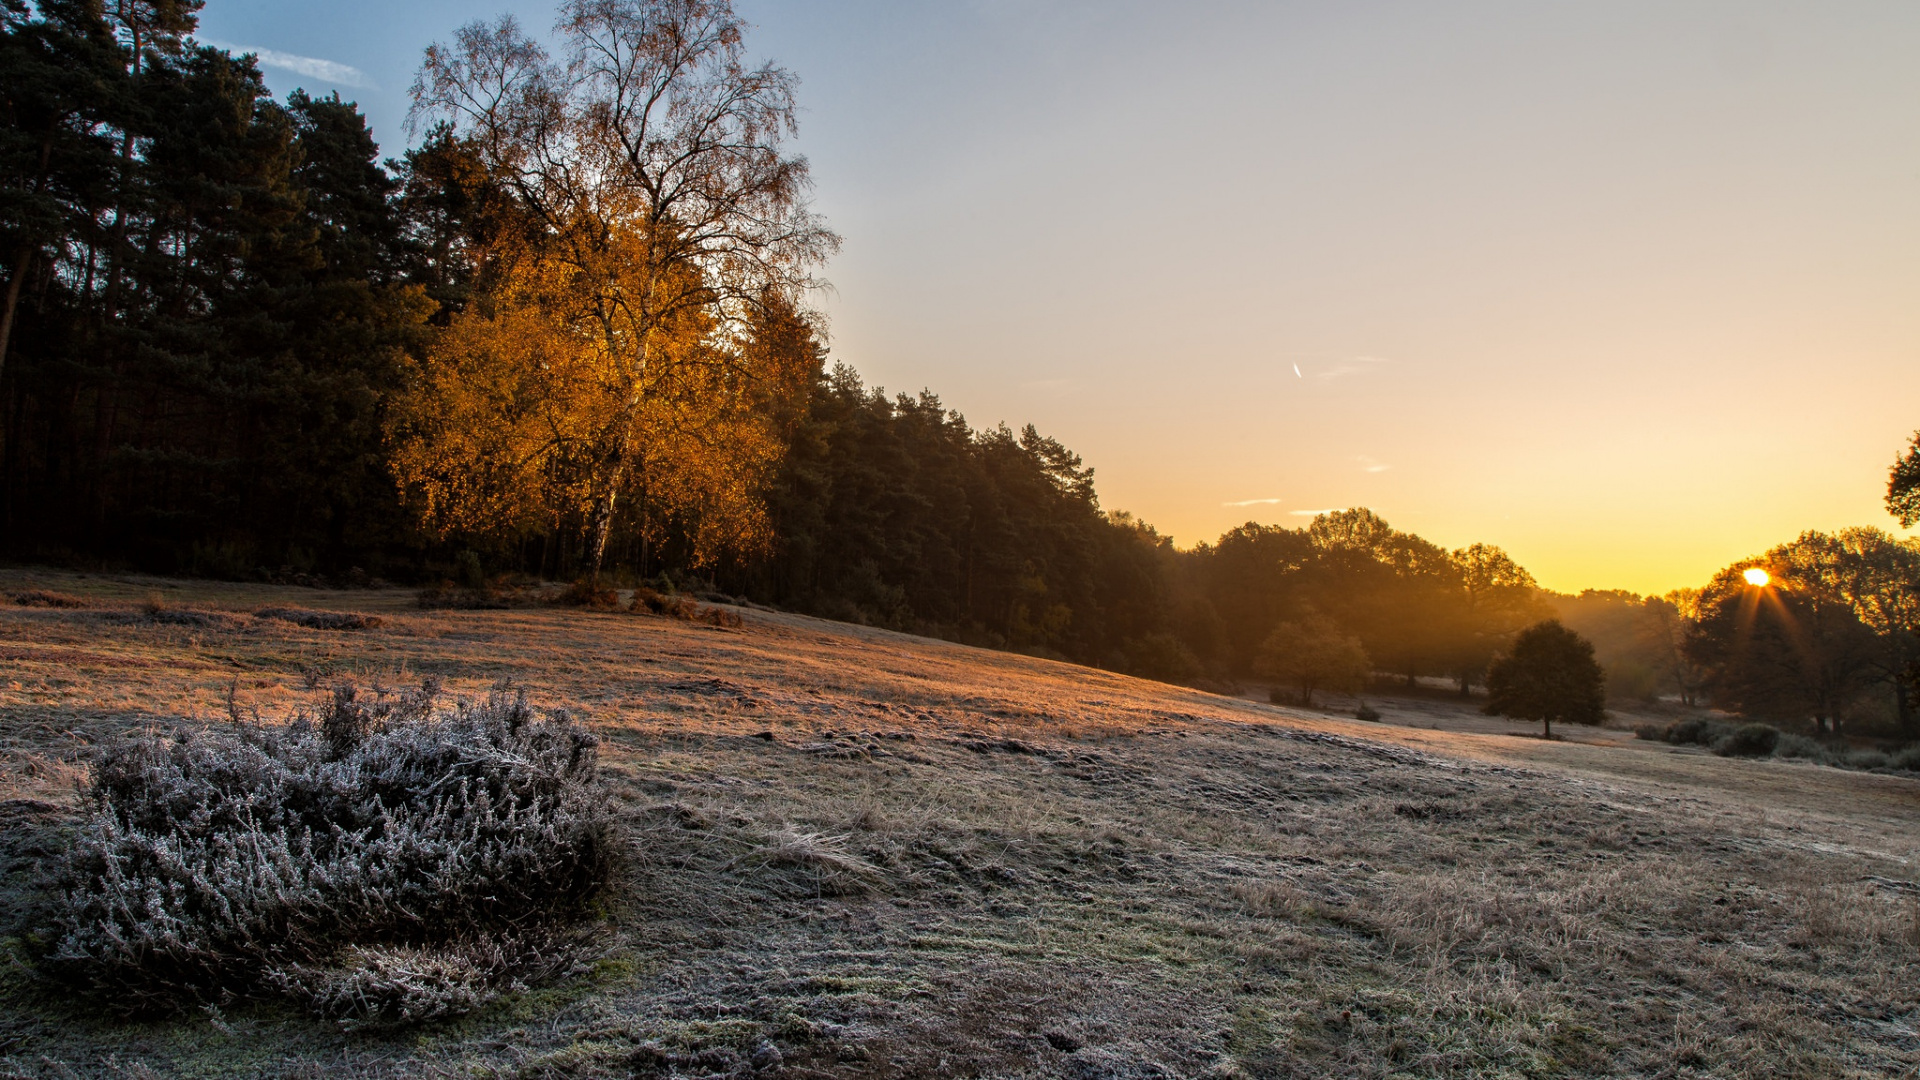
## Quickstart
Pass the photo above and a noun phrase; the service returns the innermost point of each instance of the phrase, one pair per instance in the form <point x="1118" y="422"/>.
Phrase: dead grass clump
<point x="719" y="616"/>
<point x="380" y="861"/>
<point x="672" y="605"/>
<point x="47" y="598"/>
<point x="156" y="611"/>
<point x="585" y="594"/>
<point x="1273" y="899"/>
<point x="392" y="985"/>
<point x="492" y="596"/>
<point x="816" y="864"/>
<point x="29" y="774"/>
<point x="682" y="607"/>
<point x="322" y="620"/>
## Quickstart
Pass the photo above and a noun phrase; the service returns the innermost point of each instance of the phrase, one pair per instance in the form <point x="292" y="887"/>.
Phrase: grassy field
<point x="857" y="853"/>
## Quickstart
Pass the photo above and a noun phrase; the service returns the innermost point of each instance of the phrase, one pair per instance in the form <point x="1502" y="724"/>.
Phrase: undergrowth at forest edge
<point x="382" y="860"/>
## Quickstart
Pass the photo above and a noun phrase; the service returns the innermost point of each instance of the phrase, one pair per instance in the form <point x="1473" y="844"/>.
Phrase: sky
<point x="1630" y="289"/>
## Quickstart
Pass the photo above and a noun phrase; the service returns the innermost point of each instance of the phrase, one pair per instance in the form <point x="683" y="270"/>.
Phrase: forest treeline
<point x="566" y="336"/>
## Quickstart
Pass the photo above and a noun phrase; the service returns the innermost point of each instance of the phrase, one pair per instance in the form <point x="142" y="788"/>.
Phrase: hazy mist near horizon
<point x="1627" y="289"/>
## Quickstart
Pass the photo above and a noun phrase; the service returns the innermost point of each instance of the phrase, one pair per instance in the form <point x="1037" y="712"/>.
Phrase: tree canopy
<point x="648" y="224"/>
<point x="1312" y="653"/>
<point x="1903" y="485"/>
<point x="568" y="333"/>
<point x="1549" y="674"/>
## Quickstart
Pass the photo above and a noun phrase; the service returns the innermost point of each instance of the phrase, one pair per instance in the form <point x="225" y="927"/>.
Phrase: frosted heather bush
<point x="381" y="860"/>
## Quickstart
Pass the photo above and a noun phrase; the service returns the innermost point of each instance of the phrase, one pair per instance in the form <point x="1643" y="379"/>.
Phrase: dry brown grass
<point x="862" y="854"/>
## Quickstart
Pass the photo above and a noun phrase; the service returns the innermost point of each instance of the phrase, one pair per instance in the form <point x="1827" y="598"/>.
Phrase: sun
<point x="1757" y="576"/>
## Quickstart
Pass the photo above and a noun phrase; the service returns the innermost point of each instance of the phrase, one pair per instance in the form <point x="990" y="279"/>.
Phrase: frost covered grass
<point x="847" y="852"/>
<point x="376" y="860"/>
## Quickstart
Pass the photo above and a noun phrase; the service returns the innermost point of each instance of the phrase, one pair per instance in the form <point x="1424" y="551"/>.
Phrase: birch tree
<point x="659" y="220"/>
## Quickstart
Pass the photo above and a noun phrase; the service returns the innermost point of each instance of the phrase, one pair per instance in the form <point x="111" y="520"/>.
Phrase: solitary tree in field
<point x="1313" y="653"/>
<point x="1549" y="674"/>
<point x="648" y="229"/>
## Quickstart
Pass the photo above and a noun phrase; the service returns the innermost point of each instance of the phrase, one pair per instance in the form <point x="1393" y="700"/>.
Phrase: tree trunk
<point x="106" y="405"/>
<point x="21" y="259"/>
<point x="1546" y="729"/>
<point x="599" y="527"/>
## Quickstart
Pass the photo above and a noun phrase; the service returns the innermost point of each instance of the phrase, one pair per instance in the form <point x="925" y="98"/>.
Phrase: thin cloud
<point x="311" y="66"/>
<point x="1367" y="464"/>
<point x="1352" y="365"/>
<point x="1253" y="502"/>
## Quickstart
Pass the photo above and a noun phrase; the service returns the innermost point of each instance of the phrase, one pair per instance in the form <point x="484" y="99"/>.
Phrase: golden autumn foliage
<point x="544" y="401"/>
<point x="636" y="336"/>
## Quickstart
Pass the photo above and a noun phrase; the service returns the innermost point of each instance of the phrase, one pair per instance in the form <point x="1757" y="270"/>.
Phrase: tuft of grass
<point x="322" y="620"/>
<point x="380" y="861"/>
<point x="815" y="863"/>
<point x="47" y="598"/>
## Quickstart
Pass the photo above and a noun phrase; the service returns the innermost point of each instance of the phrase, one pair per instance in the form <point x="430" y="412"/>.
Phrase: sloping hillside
<point x="857" y="853"/>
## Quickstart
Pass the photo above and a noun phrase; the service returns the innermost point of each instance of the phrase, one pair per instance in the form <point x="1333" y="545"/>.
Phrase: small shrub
<point x="154" y="610"/>
<point x="321" y="620"/>
<point x="1907" y="758"/>
<point x="1750" y="740"/>
<point x="381" y="861"/>
<point x="493" y="596"/>
<point x="672" y="605"/>
<point x="1799" y="746"/>
<point x="47" y="598"/>
<point x="1367" y="712"/>
<point x="1694" y="732"/>
<point x="585" y="594"/>
<point x="1650" y="732"/>
<point x="1868" y="760"/>
<point x="719" y="616"/>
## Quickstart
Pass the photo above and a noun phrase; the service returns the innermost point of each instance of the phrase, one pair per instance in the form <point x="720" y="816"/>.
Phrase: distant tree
<point x="1251" y="577"/>
<point x="1497" y="598"/>
<point x="1635" y="638"/>
<point x="1794" y="649"/>
<point x="1549" y="674"/>
<point x="1397" y="592"/>
<point x="1903" y="485"/>
<point x="1313" y="653"/>
<point x="1668" y="620"/>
